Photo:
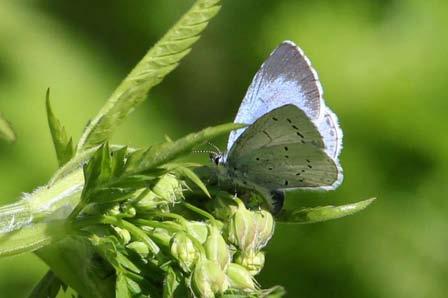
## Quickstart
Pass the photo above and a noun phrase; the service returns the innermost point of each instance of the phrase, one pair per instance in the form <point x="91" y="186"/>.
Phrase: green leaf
<point x="318" y="214"/>
<point x="170" y="283"/>
<point x="97" y="172"/>
<point x="121" y="287"/>
<point x="158" y="155"/>
<point x="62" y="143"/>
<point x="160" y="60"/>
<point x="47" y="287"/>
<point x="6" y="131"/>
<point x="186" y="172"/>
<point x="74" y="260"/>
<point x="75" y="164"/>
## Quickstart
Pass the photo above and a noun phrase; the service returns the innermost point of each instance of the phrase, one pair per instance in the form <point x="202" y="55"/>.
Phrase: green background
<point x="384" y="70"/>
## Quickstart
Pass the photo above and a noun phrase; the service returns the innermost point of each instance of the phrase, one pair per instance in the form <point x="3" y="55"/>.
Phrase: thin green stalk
<point x="199" y="211"/>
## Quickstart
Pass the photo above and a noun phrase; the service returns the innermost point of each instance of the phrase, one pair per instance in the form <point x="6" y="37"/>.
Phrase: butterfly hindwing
<point x="284" y="125"/>
<point x="282" y="149"/>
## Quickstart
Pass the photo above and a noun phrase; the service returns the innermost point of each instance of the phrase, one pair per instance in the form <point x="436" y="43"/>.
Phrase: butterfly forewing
<point x="286" y="77"/>
<point x="331" y="133"/>
<point x="282" y="149"/>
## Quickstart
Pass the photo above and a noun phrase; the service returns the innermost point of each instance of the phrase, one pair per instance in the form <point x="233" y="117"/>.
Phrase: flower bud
<point x="148" y="202"/>
<point x="168" y="188"/>
<point x="139" y="247"/>
<point x="265" y="228"/>
<point x="208" y="279"/>
<point x="128" y="211"/>
<point x="183" y="250"/>
<point x="115" y="210"/>
<point x="239" y="277"/>
<point x="223" y="206"/>
<point x="242" y="229"/>
<point x="123" y="235"/>
<point x="216" y="248"/>
<point x="253" y="261"/>
<point x="198" y="230"/>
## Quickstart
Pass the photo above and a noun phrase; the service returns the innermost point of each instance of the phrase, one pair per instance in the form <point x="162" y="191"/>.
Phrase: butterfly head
<point x="216" y="157"/>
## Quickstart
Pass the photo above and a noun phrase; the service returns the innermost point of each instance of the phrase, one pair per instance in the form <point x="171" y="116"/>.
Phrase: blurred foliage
<point x="383" y="67"/>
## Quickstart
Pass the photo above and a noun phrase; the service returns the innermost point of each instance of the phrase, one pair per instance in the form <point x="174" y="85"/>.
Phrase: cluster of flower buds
<point x="206" y="249"/>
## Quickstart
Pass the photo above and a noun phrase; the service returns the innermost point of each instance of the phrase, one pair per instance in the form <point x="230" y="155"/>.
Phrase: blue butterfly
<point x="292" y="140"/>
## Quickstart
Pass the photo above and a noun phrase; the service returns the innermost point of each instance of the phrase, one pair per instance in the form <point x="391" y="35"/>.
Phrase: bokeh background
<point x="384" y="68"/>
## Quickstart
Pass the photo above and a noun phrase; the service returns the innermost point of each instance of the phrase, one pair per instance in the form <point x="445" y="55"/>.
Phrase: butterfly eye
<point x="215" y="157"/>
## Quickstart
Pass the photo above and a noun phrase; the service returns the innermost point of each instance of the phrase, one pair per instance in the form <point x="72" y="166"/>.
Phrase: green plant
<point x="129" y="222"/>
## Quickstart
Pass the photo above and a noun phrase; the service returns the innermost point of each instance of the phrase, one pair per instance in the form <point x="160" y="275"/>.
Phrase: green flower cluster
<point x="158" y="239"/>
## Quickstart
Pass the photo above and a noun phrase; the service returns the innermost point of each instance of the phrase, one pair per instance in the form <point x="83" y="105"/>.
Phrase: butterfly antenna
<point x="204" y="151"/>
<point x="215" y="147"/>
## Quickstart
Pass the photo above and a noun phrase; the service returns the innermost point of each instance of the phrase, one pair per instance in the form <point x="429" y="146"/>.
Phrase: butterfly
<point x="292" y="140"/>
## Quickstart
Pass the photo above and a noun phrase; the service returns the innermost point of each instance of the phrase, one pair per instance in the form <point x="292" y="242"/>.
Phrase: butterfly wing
<point x="328" y="127"/>
<point x="283" y="149"/>
<point x="287" y="77"/>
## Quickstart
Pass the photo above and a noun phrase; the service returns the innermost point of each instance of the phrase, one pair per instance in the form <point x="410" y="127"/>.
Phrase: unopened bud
<point x="123" y="235"/>
<point x="242" y="229"/>
<point x="168" y="188"/>
<point x="253" y="261"/>
<point x="223" y="206"/>
<point x="208" y="279"/>
<point x="148" y="202"/>
<point x="216" y="248"/>
<point x="239" y="277"/>
<point x="128" y="211"/>
<point x="265" y="228"/>
<point x="183" y="250"/>
<point x="139" y="247"/>
<point x="198" y="230"/>
<point x="115" y="210"/>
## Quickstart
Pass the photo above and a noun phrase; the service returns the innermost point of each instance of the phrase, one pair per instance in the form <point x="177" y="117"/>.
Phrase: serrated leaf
<point x="163" y="153"/>
<point x="6" y="131"/>
<point x="160" y="60"/>
<point x="47" y="287"/>
<point x="319" y="214"/>
<point x="118" y="161"/>
<point x="97" y="172"/>
<point x="186" y="172"/>
<point x="62" y="143"/>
